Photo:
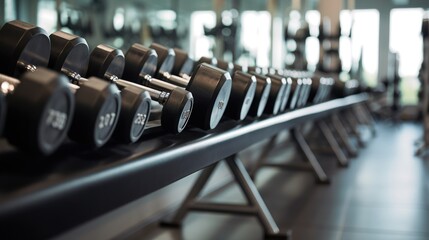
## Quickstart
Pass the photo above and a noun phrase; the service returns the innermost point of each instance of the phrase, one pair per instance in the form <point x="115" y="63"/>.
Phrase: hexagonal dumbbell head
<point x="211" y="88"/>
<point x="39" y="122"/>
<point x="227" y="66"/>
<point x="69" y="53"/>
<point x="183" y="63"/>
<point x="22" y="44"/>
<point x="165" y="59"/>
<point x="98" y="105"/>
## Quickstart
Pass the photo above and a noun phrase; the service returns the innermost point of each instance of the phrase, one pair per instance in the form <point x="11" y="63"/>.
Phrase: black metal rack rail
<point x="41" y="198"/>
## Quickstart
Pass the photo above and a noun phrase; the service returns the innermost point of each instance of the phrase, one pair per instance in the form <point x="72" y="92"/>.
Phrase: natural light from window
<point x="406" y="40"/>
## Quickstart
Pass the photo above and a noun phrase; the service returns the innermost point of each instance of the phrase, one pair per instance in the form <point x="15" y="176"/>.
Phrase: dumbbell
<point x="344" y="88"/>
<point x="329" y="82"/>
<point x="277" y="91"/>
<point x="279" y="74"/>
<point x="184" y="65"/>
<point x="108" y="63"/>
<point x="95" y="101"/>
<point x="40" y="104"/>
<point x="211" y="87"/>
<point x="243" y="87"/>
<point x="306" y="87"/>
<point x="305" y="91"/>
<point x="229" y="66"/>
<point x="166" y="59"/>
<point x="296" y="90"/>
<point x="121" y="114"/>
<point x="242" y="92"/>
<point x="320" y="88"/>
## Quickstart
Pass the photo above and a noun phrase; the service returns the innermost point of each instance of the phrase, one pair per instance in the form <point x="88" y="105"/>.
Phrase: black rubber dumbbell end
<point x="263" y="88"/>
<point x="209" y="60"/>
<point x="135" y="111"/>
<point x="227" y="66"/>
<point x="98" y="104"/>
<point x="68" y="52"/>
<point x="39" y="122"/>
<point x="139" y="60"/>
<point x="106" y="61"/>
<point x="23" y="43"/>
<point x="211" y="88"/>
<point x="177" y="110"/>
<point x="242" y="95"/>
<point x="166" y="59"/>
<point x="183" y="63"/>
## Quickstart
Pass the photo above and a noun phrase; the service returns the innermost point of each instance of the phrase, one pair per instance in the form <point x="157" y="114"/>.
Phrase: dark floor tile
<point x="382" y="236"/>
<point x="394" y="219"/>
<point x="310" y="233"/>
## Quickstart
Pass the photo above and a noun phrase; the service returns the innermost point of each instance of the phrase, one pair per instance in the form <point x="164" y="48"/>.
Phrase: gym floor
<point x="383" y="194"/>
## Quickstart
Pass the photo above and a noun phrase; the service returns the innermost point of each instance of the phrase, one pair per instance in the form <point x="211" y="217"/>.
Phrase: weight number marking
<point x="140" y="119"/>
<point x="56" y="119"/>
<point x="107" y="120"/>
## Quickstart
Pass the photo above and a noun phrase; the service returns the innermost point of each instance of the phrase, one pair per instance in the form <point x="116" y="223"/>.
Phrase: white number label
<point x="107" y="120"/>
<point x="140" y="119"/>
<point x="186" y="114"/>
<point x="220" y="105"/>
<point x="56" y="119"/>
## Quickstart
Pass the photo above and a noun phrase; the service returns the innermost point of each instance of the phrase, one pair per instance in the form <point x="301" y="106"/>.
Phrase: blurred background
<point x="378" y="42"/>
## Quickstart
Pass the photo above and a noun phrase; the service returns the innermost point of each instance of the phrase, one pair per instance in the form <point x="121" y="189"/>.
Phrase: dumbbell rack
<point x="42" y="198"/>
